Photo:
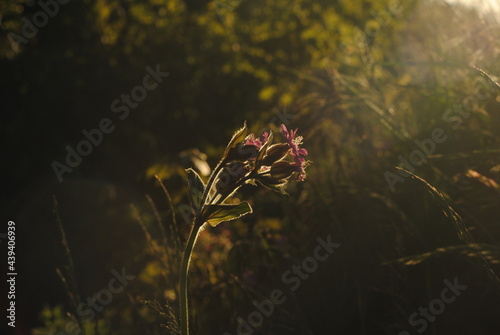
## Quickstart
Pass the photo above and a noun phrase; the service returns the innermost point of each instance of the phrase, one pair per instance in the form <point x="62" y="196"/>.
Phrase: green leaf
<point x="215" y="214"/>
<point x="272" y="186"/>
<point x="239" y="136"/>
<point x="196" y="188"/>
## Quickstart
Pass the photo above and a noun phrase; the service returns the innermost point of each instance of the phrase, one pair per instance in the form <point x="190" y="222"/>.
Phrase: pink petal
<point x="264" y="137"/>
<point x="284" y="131"/>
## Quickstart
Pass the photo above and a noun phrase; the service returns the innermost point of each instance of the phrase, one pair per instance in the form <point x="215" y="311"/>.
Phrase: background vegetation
<point x="362" y="79"/>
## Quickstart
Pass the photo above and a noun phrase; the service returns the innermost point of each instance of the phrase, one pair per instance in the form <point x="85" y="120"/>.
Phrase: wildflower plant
<point x="248" y="159"/>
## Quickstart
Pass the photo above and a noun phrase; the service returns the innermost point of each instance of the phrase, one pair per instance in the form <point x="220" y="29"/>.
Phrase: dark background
<point x="362" y="79"/>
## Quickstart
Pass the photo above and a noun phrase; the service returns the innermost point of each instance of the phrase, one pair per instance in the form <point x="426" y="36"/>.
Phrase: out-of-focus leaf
<point x="488" y="182"/>
<point x="194" y="158"/>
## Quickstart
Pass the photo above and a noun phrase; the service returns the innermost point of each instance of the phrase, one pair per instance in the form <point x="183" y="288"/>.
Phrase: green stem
<point x="188" y="251"/>
<point x="186" y="259"/>
<point x="191" y="242"/>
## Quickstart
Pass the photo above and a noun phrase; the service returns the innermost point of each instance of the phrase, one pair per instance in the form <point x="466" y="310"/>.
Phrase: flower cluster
<point x="296" y="152"/>
<point x="255" y="160"/>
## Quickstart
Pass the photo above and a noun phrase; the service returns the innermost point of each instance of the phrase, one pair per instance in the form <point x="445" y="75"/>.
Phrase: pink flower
<point x="302" y="173"/>
<point x="296" y="152"/>
<point x="293" y="141"/>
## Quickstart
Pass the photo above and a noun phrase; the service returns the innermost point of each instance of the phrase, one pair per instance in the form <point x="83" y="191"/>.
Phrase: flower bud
<point x="275" y="153"/>
<point x="268" y="180"/>
<point x="243" y="152"/>
<point x="283" y="169"/>
<point x="271" y="183"/>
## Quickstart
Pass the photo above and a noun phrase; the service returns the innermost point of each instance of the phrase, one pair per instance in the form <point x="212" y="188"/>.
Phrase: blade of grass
<point x="173" y="224"/>
<point x="462" y="230"/>
<point x="69" y="281"/>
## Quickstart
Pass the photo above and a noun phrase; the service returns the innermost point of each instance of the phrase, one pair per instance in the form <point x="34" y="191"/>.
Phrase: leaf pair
<point x="213" y="214"/>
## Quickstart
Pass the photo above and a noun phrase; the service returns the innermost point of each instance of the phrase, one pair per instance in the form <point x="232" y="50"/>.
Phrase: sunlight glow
<point x="485" y="6"/>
